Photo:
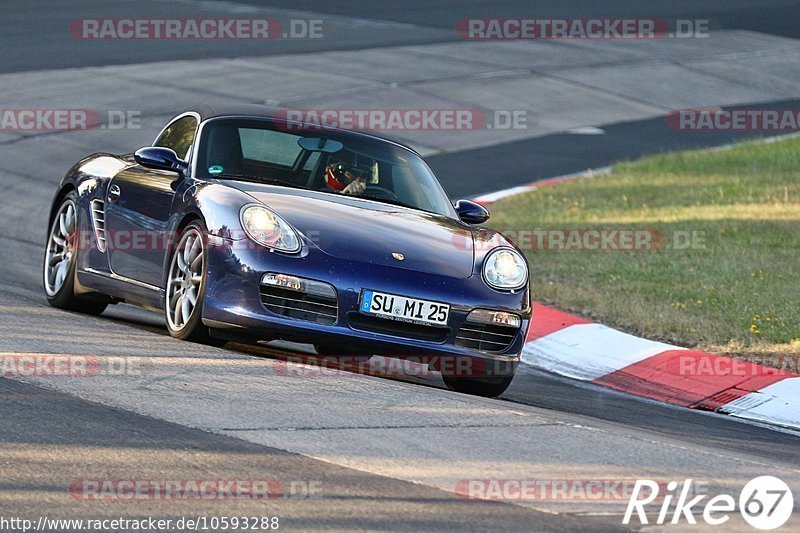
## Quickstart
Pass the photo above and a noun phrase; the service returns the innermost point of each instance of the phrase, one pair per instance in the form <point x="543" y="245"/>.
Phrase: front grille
<point x="398" y="328"/>
<point x="99" y="223"/>
<point x="299" y="305"/>
<point x="485" y="337"/>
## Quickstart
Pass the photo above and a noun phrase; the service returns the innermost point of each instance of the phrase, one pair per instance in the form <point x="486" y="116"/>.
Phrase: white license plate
<point x="404" y="309"/>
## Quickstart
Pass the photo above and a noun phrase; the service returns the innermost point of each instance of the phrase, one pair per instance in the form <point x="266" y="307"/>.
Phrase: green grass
<point x="737" y="292"/>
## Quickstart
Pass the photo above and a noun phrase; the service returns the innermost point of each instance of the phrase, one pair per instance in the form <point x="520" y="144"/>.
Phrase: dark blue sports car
<point x="241" y="225"/>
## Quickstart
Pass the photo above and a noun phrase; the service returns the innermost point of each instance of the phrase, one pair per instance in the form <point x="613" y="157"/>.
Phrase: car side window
<point x="179" y="136"/>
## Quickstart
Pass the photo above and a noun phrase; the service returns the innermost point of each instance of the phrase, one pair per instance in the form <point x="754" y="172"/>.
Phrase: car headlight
<point x="268" y="229"/>
<point x="505" y="269"/>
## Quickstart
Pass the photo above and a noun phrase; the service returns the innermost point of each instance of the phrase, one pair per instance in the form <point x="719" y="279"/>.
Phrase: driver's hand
<point x="356" y="187"/>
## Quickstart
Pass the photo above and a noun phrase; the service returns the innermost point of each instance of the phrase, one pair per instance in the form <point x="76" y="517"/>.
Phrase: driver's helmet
<point x="336" y="174"/>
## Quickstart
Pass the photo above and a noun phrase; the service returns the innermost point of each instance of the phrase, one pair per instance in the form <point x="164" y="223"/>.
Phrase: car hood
<point x="371" y="232"/>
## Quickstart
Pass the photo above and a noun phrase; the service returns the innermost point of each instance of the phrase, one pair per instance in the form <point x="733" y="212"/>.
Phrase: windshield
<point x="332" y="162"/>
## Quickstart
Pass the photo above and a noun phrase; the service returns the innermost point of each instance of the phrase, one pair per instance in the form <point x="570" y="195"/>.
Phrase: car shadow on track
<point x="301" y="359"/>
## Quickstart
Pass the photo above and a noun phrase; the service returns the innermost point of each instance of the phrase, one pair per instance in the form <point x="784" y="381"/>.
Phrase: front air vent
<point x="322" y="309"/>
<point x="99" y="223"/>
<point x="485" y="337"/>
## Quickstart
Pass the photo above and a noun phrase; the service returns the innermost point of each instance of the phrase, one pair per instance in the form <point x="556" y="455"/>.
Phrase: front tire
<point x="186" y="287"/>
<point x="61" y="259"/>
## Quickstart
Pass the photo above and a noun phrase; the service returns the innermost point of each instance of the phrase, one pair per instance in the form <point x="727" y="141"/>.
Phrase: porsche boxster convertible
<point x="241" y="225"/>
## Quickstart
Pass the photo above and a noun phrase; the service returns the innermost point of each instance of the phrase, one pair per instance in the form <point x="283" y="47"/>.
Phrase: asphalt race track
<point x="349" y="452"/>
<point x="428" y="19"/>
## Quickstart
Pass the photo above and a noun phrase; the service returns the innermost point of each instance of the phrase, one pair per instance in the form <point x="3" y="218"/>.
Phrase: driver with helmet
<point x="347" y="178"/>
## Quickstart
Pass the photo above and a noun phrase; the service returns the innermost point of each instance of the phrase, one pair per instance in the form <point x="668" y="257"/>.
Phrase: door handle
<point x="113" y="193"/>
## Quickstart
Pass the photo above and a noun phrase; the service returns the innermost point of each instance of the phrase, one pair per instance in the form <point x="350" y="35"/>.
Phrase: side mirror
<point x="471" y="212"/>
<point x="161" y="159"/>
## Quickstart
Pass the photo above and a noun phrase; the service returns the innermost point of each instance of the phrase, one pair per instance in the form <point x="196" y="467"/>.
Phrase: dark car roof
<point x="207" y="111"/>
<point x="254" y="110"/>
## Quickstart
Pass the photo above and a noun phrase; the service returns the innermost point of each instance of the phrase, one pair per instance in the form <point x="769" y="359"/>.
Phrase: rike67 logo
<point x="765" y="503"/>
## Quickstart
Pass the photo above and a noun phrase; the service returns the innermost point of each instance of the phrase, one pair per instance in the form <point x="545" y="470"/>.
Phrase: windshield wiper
<point x="259" y="179"/>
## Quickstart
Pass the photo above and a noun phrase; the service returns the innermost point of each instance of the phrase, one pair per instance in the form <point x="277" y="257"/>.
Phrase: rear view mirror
<point x="317" y="144"/>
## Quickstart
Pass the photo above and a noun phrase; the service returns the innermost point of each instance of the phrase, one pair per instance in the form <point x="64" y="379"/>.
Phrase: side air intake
<point x="99" y="223"/>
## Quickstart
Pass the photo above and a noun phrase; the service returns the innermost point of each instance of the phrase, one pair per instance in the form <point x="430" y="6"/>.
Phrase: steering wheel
<point x="382" y="192"/>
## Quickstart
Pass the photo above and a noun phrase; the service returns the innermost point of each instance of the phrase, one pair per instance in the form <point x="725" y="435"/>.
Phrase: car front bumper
<point x="233" y="305"/>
